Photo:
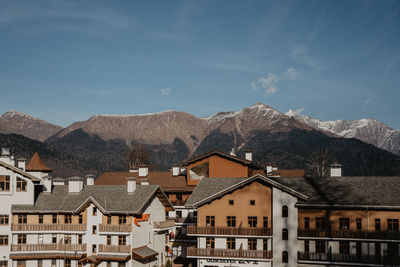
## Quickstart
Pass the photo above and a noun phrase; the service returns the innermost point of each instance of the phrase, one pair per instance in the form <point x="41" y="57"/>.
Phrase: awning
<point x="143" y="253"/>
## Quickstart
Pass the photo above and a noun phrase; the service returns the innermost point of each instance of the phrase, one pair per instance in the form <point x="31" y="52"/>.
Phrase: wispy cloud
<point x="165" y="91"/>
<point x="269" y="83"/>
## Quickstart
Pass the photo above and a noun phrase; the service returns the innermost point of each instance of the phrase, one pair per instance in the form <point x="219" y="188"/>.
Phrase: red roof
<point x="36" y="164"/>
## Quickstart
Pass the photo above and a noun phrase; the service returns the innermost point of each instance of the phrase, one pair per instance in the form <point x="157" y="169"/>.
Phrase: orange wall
<point x="220" y="208"/>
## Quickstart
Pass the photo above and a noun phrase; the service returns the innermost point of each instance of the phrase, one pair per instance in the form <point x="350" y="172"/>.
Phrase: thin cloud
<point x="291" y="74"/>
<point x="165" y="91"/>
<point x="269" y="83"/>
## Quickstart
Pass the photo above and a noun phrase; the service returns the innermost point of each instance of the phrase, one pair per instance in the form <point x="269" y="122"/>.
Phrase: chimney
<point x="249" y="155"/>
<point x="175" y="170"/>
<point x="5" y="156"/>
<point x="131" y="184"/>
<point x="47" y="184"/>
<point x="143" y="170"/>
<point x="58" y="181"/>
<point x="21" y="163"/>
<point x="89" y="179"/>
<point x="144" y="181"/>
<point x="75" y="184"/>
<point x="271" y="167"/>
<point x="336" y="170"/>
<point x="233" y="152"/>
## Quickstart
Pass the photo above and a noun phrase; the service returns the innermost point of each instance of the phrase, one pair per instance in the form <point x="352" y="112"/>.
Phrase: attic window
<point x="231" y="202"/>
<point x="21" y="185"/>
<point x="252" y="202"/>
<point x="94" y="211"/>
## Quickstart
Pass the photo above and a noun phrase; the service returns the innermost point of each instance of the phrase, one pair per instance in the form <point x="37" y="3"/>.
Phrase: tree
<point x="320" y="160"/>
<point x="138" y="155"/>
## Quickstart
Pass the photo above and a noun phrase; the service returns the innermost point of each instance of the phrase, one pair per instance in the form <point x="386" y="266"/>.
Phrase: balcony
<point x="115" y="248"/>
<point x="228" y="231"/>
<point x="48" y="247"/>
<point x="48" y="227"/>
<point x="228" y="253"/>
<point x="348" y="258"/>
<point x="115" y="228"/>
<point x="164" y="224"/>
<point x="349" y="234"/>
<point x="178" y="202"/>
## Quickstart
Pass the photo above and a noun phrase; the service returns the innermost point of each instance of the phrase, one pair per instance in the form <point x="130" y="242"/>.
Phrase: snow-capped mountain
<point x="23" y="124"/>
<point x="368" y="130"/>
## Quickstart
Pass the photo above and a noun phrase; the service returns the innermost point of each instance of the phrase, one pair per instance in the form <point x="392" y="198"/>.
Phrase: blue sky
<point x="64" y="61"/>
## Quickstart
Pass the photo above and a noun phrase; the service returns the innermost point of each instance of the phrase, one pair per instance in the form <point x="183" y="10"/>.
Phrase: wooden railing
<point x="229" y="253"/>
<point x="115" y="248"/>
<point x="349" y="234"/>
<point x="206" y="230"/>
<point x="48" y="227"/>
<point x="163" y="224"/>
<point x="48" y="247"/>
<point x="115" y="228"/>
<point x="348" y="258"/>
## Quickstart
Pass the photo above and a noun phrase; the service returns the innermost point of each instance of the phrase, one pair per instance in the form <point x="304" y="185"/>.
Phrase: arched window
<point x="285" y="257"/>
<point x="285" y="211"/>
<point x="285" y="234"/>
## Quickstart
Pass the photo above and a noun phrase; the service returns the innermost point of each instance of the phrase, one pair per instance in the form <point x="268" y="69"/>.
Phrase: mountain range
<point x="101" y="143"/>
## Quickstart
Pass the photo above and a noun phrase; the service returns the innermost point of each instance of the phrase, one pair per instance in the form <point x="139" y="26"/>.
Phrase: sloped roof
<point x="371" y="191"/>
<point x="289" y="173"/>
<point x="36" y="164"/>
<point x="109" y="198"/>
<point x="144" y="252"/>
<point x="19" y="171"/>
<point x="218" y="153"/>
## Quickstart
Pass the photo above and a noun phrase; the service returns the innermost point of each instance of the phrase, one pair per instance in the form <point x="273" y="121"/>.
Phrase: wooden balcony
<point x="348" y="258"/>
<point x="206" y="230"/>
<point x="349" y="234"/>
<point x="164" y="224"/>
<point x="48" y="247"/>
<point x="228" y="253"/>
<point x="49" y="227"/>
<point x="115" y="248"/>
<point x="118" y="228"/>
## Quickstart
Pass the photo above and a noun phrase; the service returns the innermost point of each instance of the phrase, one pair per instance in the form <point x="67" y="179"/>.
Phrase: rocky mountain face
<point x="370" y="131"/>
<point x="20" y="123"/>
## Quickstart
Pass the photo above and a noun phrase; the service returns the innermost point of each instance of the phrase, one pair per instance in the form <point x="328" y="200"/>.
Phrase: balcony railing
<point x="115" y="248"/>
<point x="194" y="230"/>
<point x="115" y="228"/>
<point x="348" y="258"/>
<point x="164" y="224"/>
<point x="48" y="227"/>
<point x="229" y="253"/>
<point x="48" y="247"/>
<point x="349" y="234"/>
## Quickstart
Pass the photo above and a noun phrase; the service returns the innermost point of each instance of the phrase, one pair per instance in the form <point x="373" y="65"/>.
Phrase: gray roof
<point x="352" y="191"/>
<point x="145" y="252"/>
<point x="110" y="198"/>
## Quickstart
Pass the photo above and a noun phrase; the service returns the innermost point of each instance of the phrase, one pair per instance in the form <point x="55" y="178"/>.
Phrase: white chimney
<point x="233" y="152"/>
<point x="143" y="171"/>
<point x="5" y="156"/>
<point x="175" y="170"/>
<point x="336" y="170"/>
<point x="144" y="181"/>
<point x="75" y="184"/>
<point x="47" y="184"/>
<point x="89" y="179"/>
<point x="249" y="155"/>
<point x="131" y="184"/>
<point x="21" y="163"/>
<point x="271" y="167"/>
<point x="58" y="181"/>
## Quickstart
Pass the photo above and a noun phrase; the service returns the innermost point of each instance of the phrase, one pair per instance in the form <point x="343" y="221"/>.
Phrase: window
<point x="22" y="218"/>
<point x="306" y="223"/>
<point x="252" y="202"/>
<point x="122" y="219"/>
<point x="231" y="221"/>
<point x="285" y="257"/>
<point x="122" y="240"/>
<point x="3" y="263"/>
<point x="67" y="239"/>
<point x="21" y="263"/>
<point x="94" y="229"/>
<point x="94" y="211"/>
<point x="252" y="244"/>
<point x="230" y="243"/>
<point x="3" y="219"/>
<point x="108" y="240"/>
<point x="40" y="239"/>
<point x="179" y="197"/>
<point x="252" y="221"/>
<point x="80" y="219"/>
<point x="320" y="246"/>
<point x="54" y="218"/>
<point x="344" y="247"/>
<point x="3" y="240"/>
<point x="210" y="242"/>
<point x="21" y="185"/>
<point x="67" y="263"/>
<point x="320" y="223"/>
<point x="285" y="212"/>
<point x="358" y="224"/>
<point x="21" y="239"/>
<point x="306" y="246"/>
<point x="344" y="223"/>
<point x="54" y="239"/>
<point x="265" y="244"/>
<point x="53" y="263"/>
<point x="393" y="225"/>
<point x="40" y="263"/>
<point x="67" y="219"/>
<point x="377" y="224"/>
<point x="109" y="219"/>
<point x="231" y="202"/>
<point x="4" y="183"/>
<point x="94" y="248"/>
<point x="40" y="219"/>
<point x="285" y="234"/>
<point x="79" y="239"/>
<point x="195" y="214"/>
<point x="179" y="213"/>
<point x="265" y="221"/>
<point x="210" y="221"/>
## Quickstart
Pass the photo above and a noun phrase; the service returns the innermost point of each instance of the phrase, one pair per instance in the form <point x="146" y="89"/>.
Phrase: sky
<point x="65" y="61"/>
